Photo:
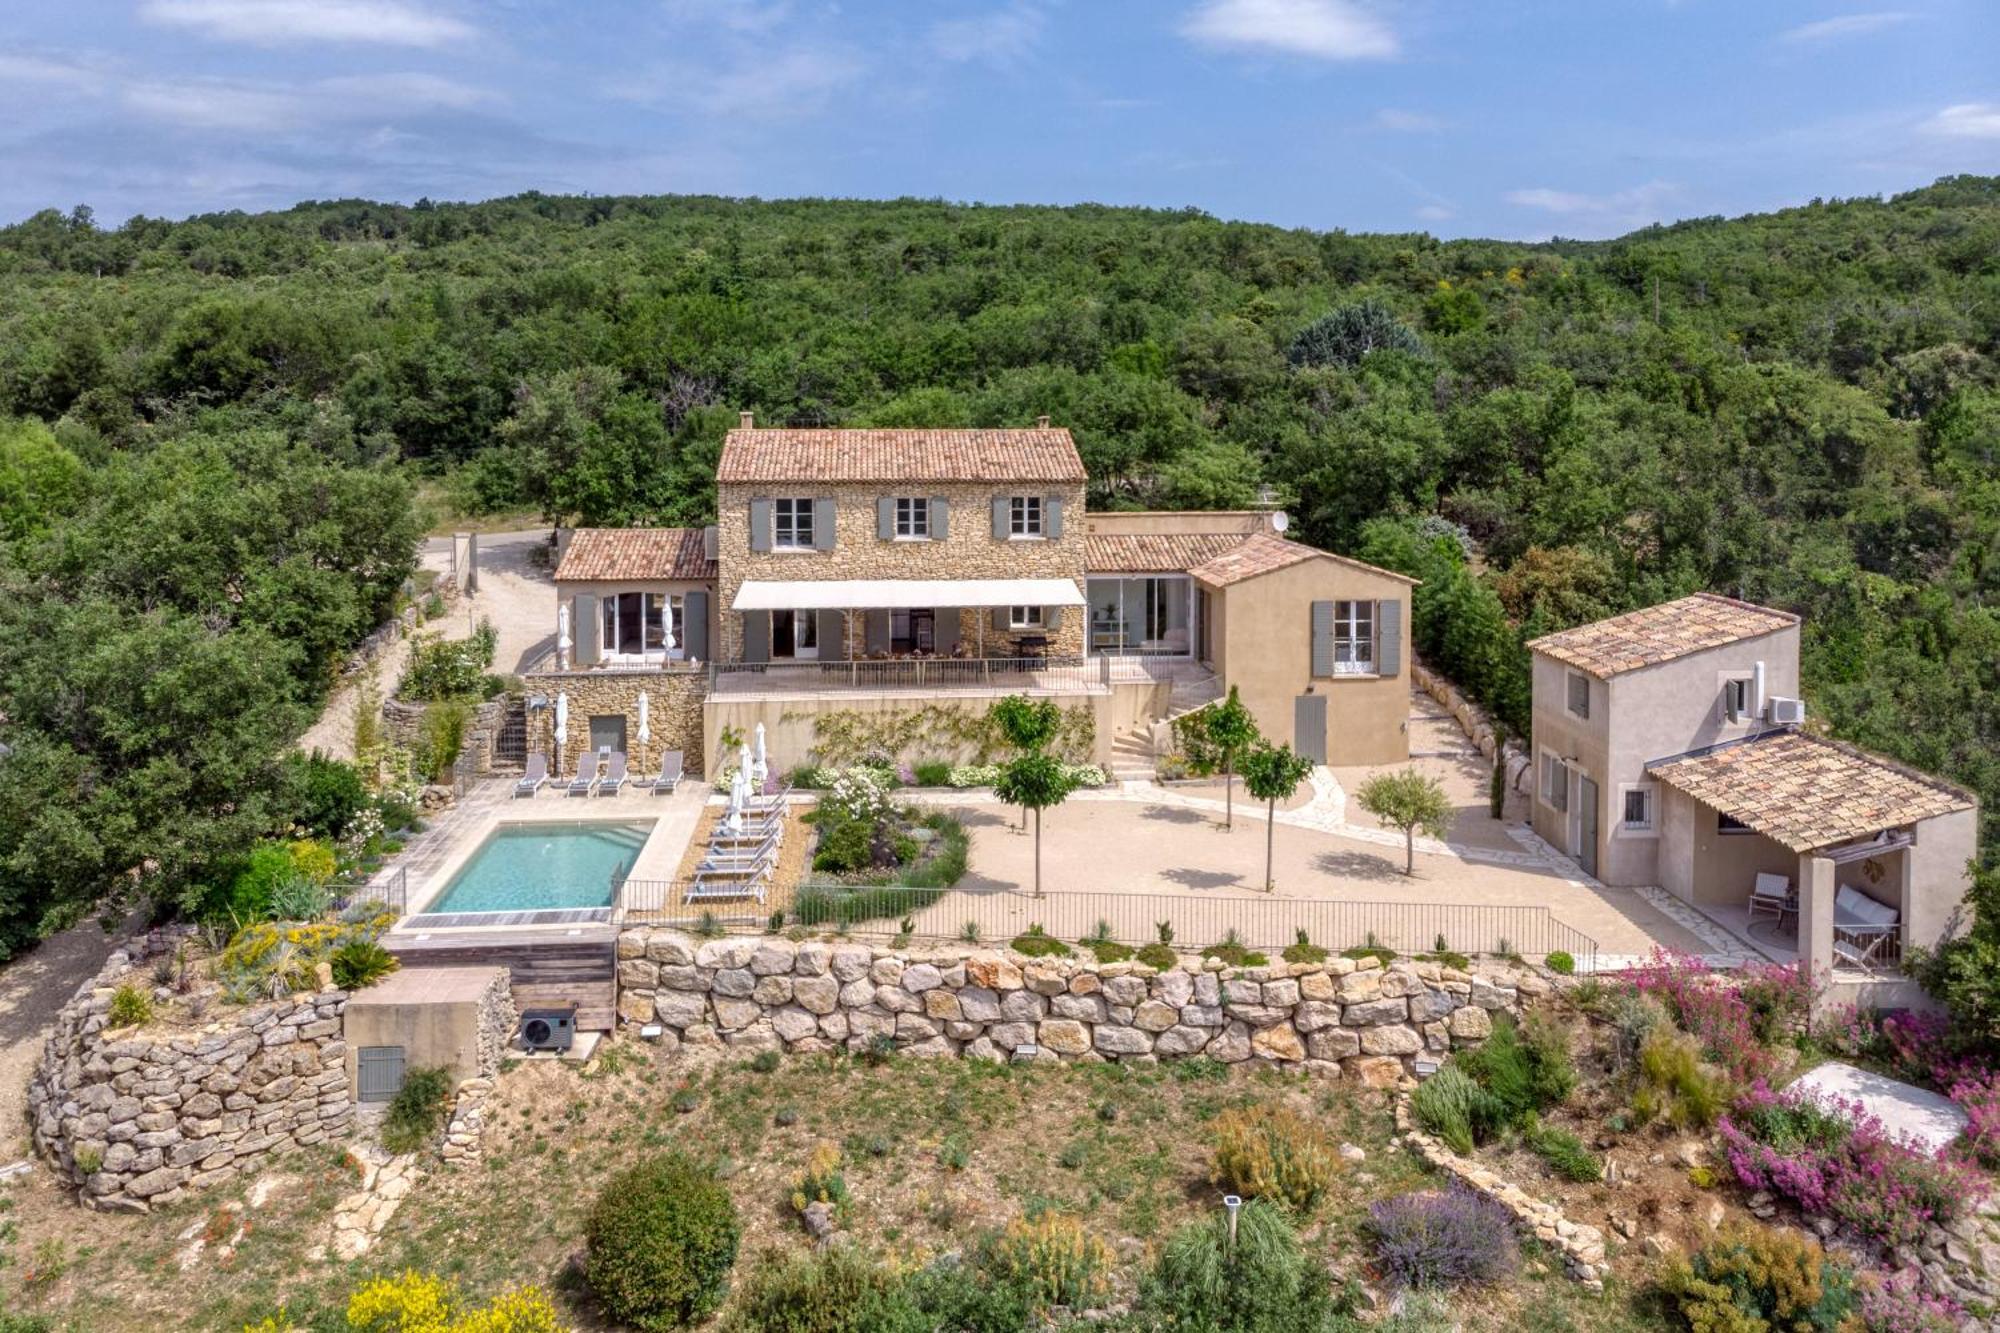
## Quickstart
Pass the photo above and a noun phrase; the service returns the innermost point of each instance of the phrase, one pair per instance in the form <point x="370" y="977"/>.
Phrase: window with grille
<point x="913" y="519"/>
<point x="1638" y="813"/>
<point x="792" y="524"/>
<point x="1579" y="694"/>
<point x="1024" y="617"/>
<point x="1025" y="516"/>
<point x="1353" y="638"/>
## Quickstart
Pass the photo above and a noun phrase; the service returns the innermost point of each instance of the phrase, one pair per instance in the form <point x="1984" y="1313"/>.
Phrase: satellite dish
<point x="1279" y="521"/>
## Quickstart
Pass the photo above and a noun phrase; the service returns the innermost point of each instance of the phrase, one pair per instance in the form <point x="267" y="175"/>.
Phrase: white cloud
<point x="797" y="81"/>
<point x="1435" y="213"/>
<point x="1844" y="25"/>
<point x="1636" y="207"/>
<point x="405" y="91"/>
<point x="214" y="105"/>
<point x="1321" y="29"/>
<point x="1967" y="120"/>
<point x="1409" y="122"/>
<point x="76" y="77"/>
<point x="1001" y="37"/>
<point x="289" y="22"/>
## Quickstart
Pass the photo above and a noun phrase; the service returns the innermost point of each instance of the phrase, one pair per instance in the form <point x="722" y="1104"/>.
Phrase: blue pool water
<point x="525" y="867"/>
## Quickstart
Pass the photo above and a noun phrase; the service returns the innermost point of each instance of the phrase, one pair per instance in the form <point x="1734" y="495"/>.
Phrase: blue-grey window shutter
<point x="832" y="636"/>
<point x="694" y="624"/>
<point x="949" y="632"/>
<point x="756" y="636"/>
<point x="940" y="519"/>
<point x="823" y="523"/>
<point x="1000" y="518"/>
<point x="1052" y="517"/>
<point x="1322" y="638"/>
<point x="999" y="619"/>
<point x="878" y="632"/>
<point x="760" y="525"/>
<point x="1052" y="619"/>
<point x="1388" y="636"/>
<point x="885" y="519"/>
<point x="589" y="624"/>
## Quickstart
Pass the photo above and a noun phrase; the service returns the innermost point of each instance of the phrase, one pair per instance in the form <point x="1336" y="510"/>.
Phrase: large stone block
<point x="734" y="982"/>
<point x="1064" y="1036"/>
<point x="638" y="972"/>
<point x="1374" y="1071"/>
<point x="1174" y="988"/>
<point x="850" y="962"/>
<point x="1372" y="1012"/>
<point x="993" y="972"/>
<point x="773" y="990"/>
<point x="1278" y="1043"/>
<point x="1333" y="1044"/>
<point x="680" y="1009"/>
<point x="1083" y="1008"/>
<point x="1360" y="987"/>
<point x="979" y="1004"/>
<point x="817" y="993"/>
<point x="1470" y="1023"/>
<point x="1114" y="1040"/>
<point x="774" y="956"/>
<point x="1154" y="1016"/>
<point x="1127" y="991"/>
<point x="1281" y="994"/>
<point x="1022" y="1006"/>
<point x="1181" y="1040"/>
<point x="1393" y="1039"/>
<point x="1231" y="1044"/>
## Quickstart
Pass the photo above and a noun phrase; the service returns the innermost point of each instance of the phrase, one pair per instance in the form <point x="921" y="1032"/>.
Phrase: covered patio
<point x="1809" y="849"/>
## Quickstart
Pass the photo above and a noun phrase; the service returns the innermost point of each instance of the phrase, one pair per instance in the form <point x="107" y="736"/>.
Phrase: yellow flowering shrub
<point x="313" y="859"/>
<point x="1054" y="1258"/>
<point x="1272" y="1152"/>
<point x="422" y="1303"/>
<point x="822" y="1181"/>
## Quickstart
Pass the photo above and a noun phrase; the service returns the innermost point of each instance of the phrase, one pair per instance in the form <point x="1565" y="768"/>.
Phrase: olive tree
<point x="1410" y="801"/>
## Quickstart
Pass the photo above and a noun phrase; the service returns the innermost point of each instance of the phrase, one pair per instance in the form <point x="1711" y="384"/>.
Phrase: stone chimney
<point x="746" y="420"/>
<point x="1042" y="422"/>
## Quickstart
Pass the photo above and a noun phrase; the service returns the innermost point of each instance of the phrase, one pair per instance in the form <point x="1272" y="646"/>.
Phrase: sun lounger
<point x="767" y="804"/>
<point x="537" y="774"/>
<point x="614" y="775"/>
<point x="1863" y="929"/>
<point x="722" y="885"/>
<point x="748" y="853"/>
<point x="670" y="773"/>
<point x="586" y="777"/>
<point x="1771" y="895"/>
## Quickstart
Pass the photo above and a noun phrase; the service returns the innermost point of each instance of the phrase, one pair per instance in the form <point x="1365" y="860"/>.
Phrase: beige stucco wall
<point x="1938" y="876"/>
<point x="1639" y="716"/>
<point x="439" y="1016"/>
<point x="1699" y="864"/>
<point x="1178" y="522"/>
<point x="1261" y="633"/>
<point x="969" y="550"/>
<point x="788" y="723"/>
<point x="673" y="714"/>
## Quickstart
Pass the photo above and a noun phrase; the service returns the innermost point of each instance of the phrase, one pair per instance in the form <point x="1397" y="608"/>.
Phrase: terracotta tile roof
<point x="1261" y="553"/>
<point x="1034" y="455"/>
<point x="635" y="553"/>
<point x="1154" y="552"/>
<point x="1660" y="633"/>
<point x="1808" y="792"/>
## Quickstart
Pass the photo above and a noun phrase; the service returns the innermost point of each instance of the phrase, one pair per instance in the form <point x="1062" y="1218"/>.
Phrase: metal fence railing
<point x="391" y="889"/>
<point x="1026" y="675"/>
<point x="1258" y="921"/>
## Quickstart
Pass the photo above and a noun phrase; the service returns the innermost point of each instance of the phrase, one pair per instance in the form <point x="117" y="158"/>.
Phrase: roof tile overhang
<point x="1261" y="554"/>
<point x="1656" y="634"/>
<point x="900" y="594"/>
<point x="1037" y="455"/>
<point x="1806" y="792"/>
<point x="1155" y="552"/>
<point x="601" y="554"/>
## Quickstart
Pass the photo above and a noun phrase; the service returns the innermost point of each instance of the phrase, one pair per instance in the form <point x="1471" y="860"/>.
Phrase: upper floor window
<point x="913" y="519"/>
<point x="1025" y="516"/>
<point x="1024" y="617"/>
<point x="792" y="524"/>
<point x="1736" y="698"/>
<point x="1579" y="694"/>
<point x="1353" y="638"/>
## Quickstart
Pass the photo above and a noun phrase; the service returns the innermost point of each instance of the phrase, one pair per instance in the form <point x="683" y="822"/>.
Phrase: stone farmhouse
<point x="1670" y="750"/>
<point x="872" y="571"/>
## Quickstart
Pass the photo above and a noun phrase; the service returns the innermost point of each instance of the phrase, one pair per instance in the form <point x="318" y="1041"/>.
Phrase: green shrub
<point x="1265" y="1282"/>
<point x="297" y="898"/>
<point x="1159" y="957"/>
<point x="1452" y="1105"/>
<point x="822" y="1180"/>
<point x="1564" y="1152"/>
<point x="254" y="885"/>
<point x="441" y="737"/>
<point x="1108" y="951"/>
<point x="1234" y="953"/>
<point x="1053" y="1259"/>
<point x="1674" y="1084"/>
<point x="1363" y="953"/>
<point x="1036" y="942"/>
<point x="843" y="1289"/>
<point x="659" y="1243"/>
<point x="130" y="1006"/>
<point x="1753" y="1278"/>
<point x="417" y="1111"/>
<point x="1303" y="950"/>
<point x="1265" y="1151"/>
<point x="1561" y="963"/>
<point x="844" y="845"/>
<point x="1446" y="958"/>
<point x="933" y="773"/>
<point x="1525" y="1066"/>
<point x="360" y="963"/>
<point x="441" y="669"/>
<point x="324" y="794"/>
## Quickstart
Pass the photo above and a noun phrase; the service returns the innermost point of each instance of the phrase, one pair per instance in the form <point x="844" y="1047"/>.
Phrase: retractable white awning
<point x="901" y="594"/>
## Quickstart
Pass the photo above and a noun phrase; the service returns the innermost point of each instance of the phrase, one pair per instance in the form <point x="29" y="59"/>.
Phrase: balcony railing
<point x="922" y="675"/>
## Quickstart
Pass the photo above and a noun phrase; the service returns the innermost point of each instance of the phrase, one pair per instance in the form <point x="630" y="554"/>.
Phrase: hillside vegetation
<point x="1801" y="408"/>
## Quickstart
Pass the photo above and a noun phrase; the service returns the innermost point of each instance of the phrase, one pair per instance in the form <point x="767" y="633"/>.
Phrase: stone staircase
<point x="510" y="743"/>
<point x="1134" y="758"/>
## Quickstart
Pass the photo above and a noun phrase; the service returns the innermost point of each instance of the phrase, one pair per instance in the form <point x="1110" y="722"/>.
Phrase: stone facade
<point x="137" y="1118"/>
<point x="403" y="719"/>
<point x="968" y="551"/>
<point x="1357" y="1020"/>
<point x="673" y="713"/>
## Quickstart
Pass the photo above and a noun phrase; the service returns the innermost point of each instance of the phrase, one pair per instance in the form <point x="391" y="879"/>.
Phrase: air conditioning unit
<point x="548" y="1029"/>
<point x="1786" y="712"/>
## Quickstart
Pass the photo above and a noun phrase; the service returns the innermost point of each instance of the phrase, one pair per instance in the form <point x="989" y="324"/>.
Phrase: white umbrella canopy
<point x="739" y="794"/>
<point x="645" y="724"/>
<point x="761" y="766"/>
<point x="562" y="721"/>
<point x="563" y="641"/>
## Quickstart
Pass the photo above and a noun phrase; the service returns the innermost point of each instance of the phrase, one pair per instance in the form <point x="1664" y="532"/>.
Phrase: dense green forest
<point x="204" y="491"/>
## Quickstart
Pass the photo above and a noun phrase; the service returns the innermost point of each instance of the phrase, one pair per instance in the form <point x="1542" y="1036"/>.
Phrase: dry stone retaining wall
<point x="137" y="1118"/>
<point x="1472" y="720"/>
<point x="1361" y="1020"/>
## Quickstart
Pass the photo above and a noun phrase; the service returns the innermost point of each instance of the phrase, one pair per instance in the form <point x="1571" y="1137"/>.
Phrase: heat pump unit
<point x="548" y="1029"/>
<point x="1787" y="712"/>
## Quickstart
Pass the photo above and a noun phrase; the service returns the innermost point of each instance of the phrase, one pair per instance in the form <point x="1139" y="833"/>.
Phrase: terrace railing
<point x="918" y="675"/>
<point x="391" y="888"/>
<point x="1257" y="921"/>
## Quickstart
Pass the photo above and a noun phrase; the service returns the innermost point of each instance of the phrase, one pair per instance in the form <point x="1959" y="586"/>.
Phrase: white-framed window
<point x="1024" y="617"/>
<point x="1579" y="693"/>
<point x="792" y="524"/>
<point x="1555" y="783"/>
<point x="1354" y="638"/>
<point x="636" y="625"/>
<point x="1638" y="808"/>
<point x="1024" y="516"/>
<point x="1736" y="698"/>
<point x="913" y="519"/>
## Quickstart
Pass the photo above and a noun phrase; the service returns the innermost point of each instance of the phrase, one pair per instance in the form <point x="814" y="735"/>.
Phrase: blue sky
<point x="1511" y="118"/>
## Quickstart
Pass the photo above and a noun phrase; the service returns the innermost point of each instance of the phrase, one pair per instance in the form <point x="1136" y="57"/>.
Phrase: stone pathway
<point x="385" y="1182"/>
<point x="1907" y="1112"/>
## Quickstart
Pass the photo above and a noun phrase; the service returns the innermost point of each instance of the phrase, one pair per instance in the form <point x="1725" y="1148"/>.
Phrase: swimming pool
<point x="531" y="867"/>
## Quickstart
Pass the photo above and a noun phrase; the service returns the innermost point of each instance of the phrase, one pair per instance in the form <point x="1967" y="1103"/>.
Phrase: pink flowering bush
<point x="1835" y="1159"/>
<point x="1736" y="1021"/>
<point x="1899" y="1304"/>
<point x="1979" y="1098"/>
<point x="1851" y="1032"/>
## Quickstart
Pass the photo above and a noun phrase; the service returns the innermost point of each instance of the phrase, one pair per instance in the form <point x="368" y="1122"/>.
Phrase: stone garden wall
<point x="1472" y="719"/>
<point x="674" y="698"/>
<point x="403" y="719"/>
<point x="1360" y="1020"/>
<point x="137" y="1117"/>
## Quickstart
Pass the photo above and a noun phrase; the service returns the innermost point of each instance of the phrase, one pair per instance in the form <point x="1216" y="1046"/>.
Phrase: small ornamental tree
<point x="1230" y="730"/>
<point x="1027" y="725"/>
<point x="1273" y="773"/>
<point x="1410" y="801"/>
<point x="1034" y="781"/>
